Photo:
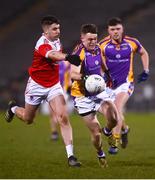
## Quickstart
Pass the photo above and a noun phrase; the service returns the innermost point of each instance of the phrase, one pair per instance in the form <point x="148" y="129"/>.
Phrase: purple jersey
<point x="64" y="74"/>
<point x="91" y="64"/>
<point x="62" y="70"/>
<point x="119" y="58"/>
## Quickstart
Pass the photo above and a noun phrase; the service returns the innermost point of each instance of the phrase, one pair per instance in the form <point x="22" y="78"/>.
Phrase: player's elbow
<point x="144" y="52"/>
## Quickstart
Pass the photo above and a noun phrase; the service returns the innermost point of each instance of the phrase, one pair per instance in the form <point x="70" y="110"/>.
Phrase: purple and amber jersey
<point x="91" y="64"/>
<point x="64" y="75"/>
<point x="62" y="70"/>
<point x="119" y="58"/>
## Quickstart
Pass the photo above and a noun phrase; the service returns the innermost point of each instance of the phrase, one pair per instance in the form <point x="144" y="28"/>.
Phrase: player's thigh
<point x="92" y="123"/>
<point x="105" y="106"/>
<point x="58" y="105"/>
<point x="30" y="111"/>
<point x="120" y="100"/>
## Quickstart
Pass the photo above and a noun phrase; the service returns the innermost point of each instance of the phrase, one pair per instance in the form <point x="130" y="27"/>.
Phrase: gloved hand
<point x="143" y="76"/>
<point x="84" y="78"/>
<point x="73" y="59"/>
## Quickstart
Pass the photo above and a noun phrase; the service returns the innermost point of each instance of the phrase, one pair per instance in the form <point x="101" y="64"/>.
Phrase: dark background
<point x="20" y="28"/>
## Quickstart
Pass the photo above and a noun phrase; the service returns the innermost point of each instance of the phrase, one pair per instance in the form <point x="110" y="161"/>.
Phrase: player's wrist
<point x="73" y="59"/>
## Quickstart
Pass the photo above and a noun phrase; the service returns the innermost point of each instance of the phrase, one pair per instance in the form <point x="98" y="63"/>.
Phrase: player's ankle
<point x="13" y="109"/>
<point x="107" y="131"/>
<point x="116" y="136"/>
<point x="100" y="153"/>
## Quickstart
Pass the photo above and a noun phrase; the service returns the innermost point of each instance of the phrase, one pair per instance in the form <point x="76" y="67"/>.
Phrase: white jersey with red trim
<point x="43" y="70"/>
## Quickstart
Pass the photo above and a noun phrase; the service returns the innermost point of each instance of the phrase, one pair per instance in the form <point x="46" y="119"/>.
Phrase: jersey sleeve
<point x="44" y="49"/>
<point x="135" y="44"/>
<point x="138" y="45"/>
<point x="103" y="43"/>
<point x="79" y="50"/>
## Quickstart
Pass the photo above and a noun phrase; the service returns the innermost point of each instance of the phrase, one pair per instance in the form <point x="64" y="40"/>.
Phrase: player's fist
<point x="143" y="76"/>
<point x="73" y="59"/>
<point x="84" y="78"/>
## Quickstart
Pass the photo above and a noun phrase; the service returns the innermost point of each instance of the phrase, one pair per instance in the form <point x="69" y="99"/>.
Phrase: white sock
<point x="69" y="150"/>
<point x="13" y="109"/>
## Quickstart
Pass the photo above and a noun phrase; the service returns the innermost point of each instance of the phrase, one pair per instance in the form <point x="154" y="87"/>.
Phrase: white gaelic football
<point x="95" y="84"/>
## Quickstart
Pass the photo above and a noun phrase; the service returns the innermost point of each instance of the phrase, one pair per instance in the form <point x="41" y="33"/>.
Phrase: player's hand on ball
<point x="84" y="78"/>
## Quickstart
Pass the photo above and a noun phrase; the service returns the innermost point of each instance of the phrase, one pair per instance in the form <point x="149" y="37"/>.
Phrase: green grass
<point x="27" y="152"/>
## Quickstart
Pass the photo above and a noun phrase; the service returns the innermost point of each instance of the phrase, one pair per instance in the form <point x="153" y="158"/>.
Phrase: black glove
<point x="143" y="76"/>
<point x="84" y="78"/>
<point x="73" y="59"/>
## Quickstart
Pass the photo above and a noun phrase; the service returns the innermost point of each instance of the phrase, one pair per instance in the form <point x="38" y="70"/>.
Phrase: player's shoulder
<point x="104" y="40"/>
<point x="133" y="42"/>
<point x="78" y="48"/>
<point x="41" y="41"/>
<point x="130" y="38"/>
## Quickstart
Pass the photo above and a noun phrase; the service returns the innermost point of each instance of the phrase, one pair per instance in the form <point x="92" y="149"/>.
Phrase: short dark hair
<point x="89" y="28"/>
<point x="49" y="19"/>
<point x="114" y="21"/>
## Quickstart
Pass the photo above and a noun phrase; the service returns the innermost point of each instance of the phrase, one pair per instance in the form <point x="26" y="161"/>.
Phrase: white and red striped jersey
<point x="43" y="70"/>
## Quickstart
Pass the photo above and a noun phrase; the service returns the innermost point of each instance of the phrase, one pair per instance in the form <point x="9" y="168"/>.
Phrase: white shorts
<point x="125" y="87"/>
<point x="85" y="105"/>
<point x="35" y="93"/>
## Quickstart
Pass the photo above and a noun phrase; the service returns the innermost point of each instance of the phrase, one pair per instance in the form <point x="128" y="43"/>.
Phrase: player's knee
<point x="63" y="119"/>
<point x="96" y="131"/>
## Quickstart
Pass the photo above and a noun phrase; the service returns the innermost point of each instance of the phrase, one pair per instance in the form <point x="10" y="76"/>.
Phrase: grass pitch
<point x="26" y="151"/>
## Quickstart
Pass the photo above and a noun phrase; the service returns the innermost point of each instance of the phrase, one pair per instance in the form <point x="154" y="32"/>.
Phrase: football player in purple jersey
<point x="87" y="104"/>
<point x="118" y="52"/>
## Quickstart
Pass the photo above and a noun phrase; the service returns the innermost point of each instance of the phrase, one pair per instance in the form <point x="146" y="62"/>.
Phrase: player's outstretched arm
<point x="56" y="55"/>
<point x="59" y="56"/>
<point x="145" y="61"/>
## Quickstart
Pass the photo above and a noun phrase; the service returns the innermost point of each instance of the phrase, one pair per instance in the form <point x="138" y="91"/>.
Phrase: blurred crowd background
<point x="20" y="28"/>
